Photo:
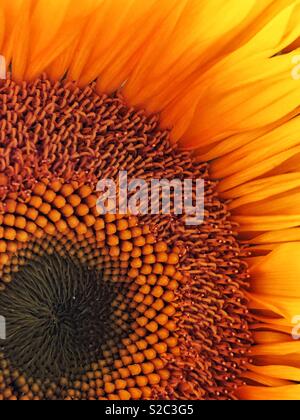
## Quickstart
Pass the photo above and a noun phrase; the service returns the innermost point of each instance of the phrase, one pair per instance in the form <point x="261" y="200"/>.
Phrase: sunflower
<point x="126" y="306"/>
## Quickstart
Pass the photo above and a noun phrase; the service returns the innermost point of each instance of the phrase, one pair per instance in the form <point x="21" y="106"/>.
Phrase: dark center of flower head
<point x="117" y="307"/>
<point x="59" y="317"/>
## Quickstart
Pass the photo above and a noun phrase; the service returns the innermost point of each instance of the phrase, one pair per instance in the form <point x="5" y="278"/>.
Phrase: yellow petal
<point x="266" y="380"/>
<point x="278" y="273"/>
<point x="266" y="223"/>
<point x="276" y="141"/>
<point x="288" y="235"/>
<point x="279" y="372"/>
<point x="241" y="99"/>
<point x="284" y="307"/>
<point x="288" y="393"/>
<point x="257" y="170"/>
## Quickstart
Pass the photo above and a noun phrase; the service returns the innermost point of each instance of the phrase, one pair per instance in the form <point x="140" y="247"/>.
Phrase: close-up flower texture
<point x="140" y="306"/>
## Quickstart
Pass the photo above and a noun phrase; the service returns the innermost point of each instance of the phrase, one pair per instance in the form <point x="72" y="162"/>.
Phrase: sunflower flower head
<point x="138" y="306"/>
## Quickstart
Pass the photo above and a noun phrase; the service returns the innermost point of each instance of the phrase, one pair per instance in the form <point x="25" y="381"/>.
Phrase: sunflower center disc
<point x="179" y="324"/>
<point x="60" y="319"/>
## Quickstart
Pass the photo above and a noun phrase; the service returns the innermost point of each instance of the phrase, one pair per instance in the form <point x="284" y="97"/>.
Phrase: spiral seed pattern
<point x="177" y="309"/>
